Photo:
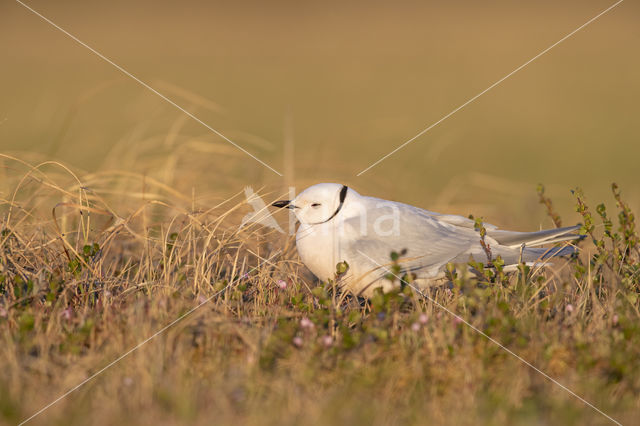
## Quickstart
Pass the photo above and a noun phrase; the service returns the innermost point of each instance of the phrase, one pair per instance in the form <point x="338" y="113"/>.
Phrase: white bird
<point x="339" y="225"/>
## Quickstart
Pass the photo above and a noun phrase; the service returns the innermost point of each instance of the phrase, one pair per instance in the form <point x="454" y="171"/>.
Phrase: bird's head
<point x="317" y="204"/>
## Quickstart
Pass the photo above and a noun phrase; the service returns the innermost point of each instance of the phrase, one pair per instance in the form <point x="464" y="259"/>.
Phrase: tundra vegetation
<point x="89" y="270"/>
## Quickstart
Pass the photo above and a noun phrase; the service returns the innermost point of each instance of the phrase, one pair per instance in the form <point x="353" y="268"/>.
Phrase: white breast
<point x="319" y="249"/>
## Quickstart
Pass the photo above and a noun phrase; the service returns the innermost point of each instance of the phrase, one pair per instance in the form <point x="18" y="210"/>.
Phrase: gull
<point x="337" y="224"/>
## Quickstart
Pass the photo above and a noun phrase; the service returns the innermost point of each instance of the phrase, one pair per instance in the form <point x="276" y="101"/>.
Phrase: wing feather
<point x="428" y="241"/>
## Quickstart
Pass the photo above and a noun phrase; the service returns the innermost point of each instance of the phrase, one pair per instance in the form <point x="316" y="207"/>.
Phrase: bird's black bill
<point x="282" y="203"/>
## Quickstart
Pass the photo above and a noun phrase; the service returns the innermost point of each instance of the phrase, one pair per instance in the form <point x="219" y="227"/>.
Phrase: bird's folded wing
<point x="462" y="221"/>
<point x="429" y="242"/>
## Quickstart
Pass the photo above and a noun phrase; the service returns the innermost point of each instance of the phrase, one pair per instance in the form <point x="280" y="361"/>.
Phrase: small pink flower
<point x="614" y="319"/>
<point x="297" y="341"/>
<point x="3" y="312"/>
<point x="569" y="308"/>
<point x="306" y="324"/>
<point x="457" y="320"/>
<point x="415" y="326"/>
<point x="201" y="299"/>
<point x="423" y="318"/>
<point x="67" y="313"/>
<point x="327" y="341"/>
<point x="282" y="284"/>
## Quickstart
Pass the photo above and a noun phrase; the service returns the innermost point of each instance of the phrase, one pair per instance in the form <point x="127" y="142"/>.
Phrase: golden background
<point x="321" y="90"/>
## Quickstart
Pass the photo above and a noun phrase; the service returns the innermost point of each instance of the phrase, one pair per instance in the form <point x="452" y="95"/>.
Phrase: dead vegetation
<point x="91" y="268"/>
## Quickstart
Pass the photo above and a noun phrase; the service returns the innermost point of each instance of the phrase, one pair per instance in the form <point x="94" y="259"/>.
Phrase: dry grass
<point x="350" y="82"/>
<point x="89" y="268"/>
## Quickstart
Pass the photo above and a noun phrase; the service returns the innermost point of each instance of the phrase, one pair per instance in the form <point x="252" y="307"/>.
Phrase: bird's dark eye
<point x="315" y="205"/>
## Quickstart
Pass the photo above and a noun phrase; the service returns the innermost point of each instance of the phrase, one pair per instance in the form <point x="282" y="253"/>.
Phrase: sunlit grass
<point x="92" y="265"/>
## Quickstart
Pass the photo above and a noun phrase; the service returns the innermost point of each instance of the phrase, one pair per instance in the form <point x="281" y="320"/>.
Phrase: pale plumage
<point x="338" y="224"/>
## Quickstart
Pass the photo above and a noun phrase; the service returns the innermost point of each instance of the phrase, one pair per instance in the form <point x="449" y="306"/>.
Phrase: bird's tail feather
<point x="548" y="236"/>
<point x="526" y="254"/>
<point x="548" y="253"/>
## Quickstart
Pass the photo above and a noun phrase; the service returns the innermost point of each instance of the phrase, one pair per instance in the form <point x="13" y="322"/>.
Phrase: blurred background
<point x="321" y="90"/>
